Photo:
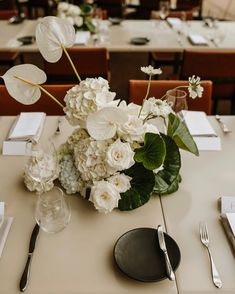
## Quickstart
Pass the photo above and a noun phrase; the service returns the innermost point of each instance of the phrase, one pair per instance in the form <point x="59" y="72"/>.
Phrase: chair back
<point x="182" y="14"/>
<point x="7" y="13"/>
<point x="114" y="8"/>
<point x="158" y="88"/>
<point x="9" y="106"/>
<point x="218" y="66"/>
<point x="7" y="4"/>
<point x="89" y="62"/>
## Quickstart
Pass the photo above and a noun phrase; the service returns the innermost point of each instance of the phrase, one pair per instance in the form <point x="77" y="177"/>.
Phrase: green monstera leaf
<point x="142" y="184"/>
<point x="179" y="132"/>
<point x="167" y="180"/>
<point x="152" y="154"/>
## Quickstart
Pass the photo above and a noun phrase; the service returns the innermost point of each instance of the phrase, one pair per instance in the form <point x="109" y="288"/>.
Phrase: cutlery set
<point x="223" y="126"/>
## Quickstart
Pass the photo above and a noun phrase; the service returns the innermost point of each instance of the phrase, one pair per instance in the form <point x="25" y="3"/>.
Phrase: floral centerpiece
<point x="78" y="16"/>
<point x="116" y="156"/>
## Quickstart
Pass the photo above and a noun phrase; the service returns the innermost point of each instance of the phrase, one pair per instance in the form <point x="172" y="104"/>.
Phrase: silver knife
<point x="162" y="244"/>
<point x="25" y="276"/>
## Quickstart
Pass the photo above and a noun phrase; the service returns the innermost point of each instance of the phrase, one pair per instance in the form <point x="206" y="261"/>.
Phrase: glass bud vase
<point x="177" y="99"/>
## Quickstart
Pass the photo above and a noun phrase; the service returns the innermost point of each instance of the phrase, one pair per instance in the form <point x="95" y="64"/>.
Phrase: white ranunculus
<point x="121" y="182"/>
<point x="105" y="196"/>
<point x="120" y="156"/>
<point x="156" y="107"/>
<point x="132" y="130"/>
<point x="78" y="21"/>
<point x="63" y="6"/>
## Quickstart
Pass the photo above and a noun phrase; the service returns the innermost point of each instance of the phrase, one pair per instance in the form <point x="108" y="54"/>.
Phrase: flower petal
<point x="51" y="33"/>
<point x="102" y="124"/>
<point x="22" y="91"/>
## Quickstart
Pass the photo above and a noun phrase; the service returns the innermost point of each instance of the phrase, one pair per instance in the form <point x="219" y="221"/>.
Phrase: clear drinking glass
<point x="52" y="211"/>
<point x="177" y="99"/>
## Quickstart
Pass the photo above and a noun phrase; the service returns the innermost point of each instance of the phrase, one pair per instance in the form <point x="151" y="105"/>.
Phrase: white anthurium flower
<point x="105" y="196"/>
<point x="21" y="91"/>
<point x="103" y="124"/>
<point x="53" y="33"/>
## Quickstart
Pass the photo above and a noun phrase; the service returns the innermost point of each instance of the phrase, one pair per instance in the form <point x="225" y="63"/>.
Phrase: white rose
<point x="132" y="130"/>
<point x="105" y="196"/>
<point x="121" y="182"/>
<point x="78" y="21"/>
<point x="70" y="20"/>
<point x="120" y="155"/>
<point x="63" y="6"/>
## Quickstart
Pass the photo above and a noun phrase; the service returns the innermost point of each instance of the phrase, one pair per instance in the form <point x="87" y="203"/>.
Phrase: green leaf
<point x="179" y="132"/>
<point x="152" y="154"/>
<point x="142" y="184"/>
<point x="166" y="180"/>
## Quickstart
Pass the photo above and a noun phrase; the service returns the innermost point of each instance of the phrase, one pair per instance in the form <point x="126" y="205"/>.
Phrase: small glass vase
<point x="52" y="211"/>
<point x="177" y="99"/>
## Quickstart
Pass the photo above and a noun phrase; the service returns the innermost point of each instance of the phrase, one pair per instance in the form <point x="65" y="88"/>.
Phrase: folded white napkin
<point x="200" y="128"/>
<point x="82" y="38"/>
<point x="174" y="22"/>
<point x="28" y="126"/>
<point x="227" y="218"/>
<point x="197" y="39"/>
<point x="4" y="230"/>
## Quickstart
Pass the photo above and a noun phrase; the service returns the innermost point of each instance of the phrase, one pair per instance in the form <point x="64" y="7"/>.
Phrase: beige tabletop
<point x="79" y="259"/>
<point x="162" y="37"/>
<point x="204" y="180"/>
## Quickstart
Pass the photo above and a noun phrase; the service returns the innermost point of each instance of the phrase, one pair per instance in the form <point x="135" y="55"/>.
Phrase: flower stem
<point x="71" y="62"/>
<point x="41" y="88"/>
<point x="146" y="95"/>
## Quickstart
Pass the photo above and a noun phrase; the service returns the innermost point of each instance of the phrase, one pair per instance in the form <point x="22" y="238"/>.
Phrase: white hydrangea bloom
<point x="89" y="96"/>
<point x="120" y="156"/>
<point x="121" y="182"/>
<point x="69" y="176"/>
<point x="90" y="159"/>
<point x="105" y="196"/>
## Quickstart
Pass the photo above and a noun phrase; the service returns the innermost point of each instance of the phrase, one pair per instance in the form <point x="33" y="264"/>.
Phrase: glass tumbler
<point x="52" y="211"/>
<point x="177" y="99"/>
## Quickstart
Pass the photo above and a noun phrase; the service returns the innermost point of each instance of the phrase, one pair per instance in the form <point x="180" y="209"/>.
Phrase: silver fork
<point x="222" y="124"/>
<point x="205" y="241"/>
<point x="57" y="131"/>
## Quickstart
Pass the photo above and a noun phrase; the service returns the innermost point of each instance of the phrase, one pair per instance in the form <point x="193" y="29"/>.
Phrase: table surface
<point x="79" y="259"/>
<point x="162" y="37"/>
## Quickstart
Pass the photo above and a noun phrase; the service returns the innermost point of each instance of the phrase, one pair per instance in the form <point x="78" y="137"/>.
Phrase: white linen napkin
<point x="197" y="39"/>
<point x="174" y="22"/>
<point x="28" y="126"/>
<point x="82" y="38"/>
<point x="200" y="128"/>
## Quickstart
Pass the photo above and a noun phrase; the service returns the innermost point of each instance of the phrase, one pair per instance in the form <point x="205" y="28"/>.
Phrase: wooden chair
<point x="215" y="65"/>
<point x="193" y="5"/>
<point x="137" y="91"/>
<point x="114" y="8"/>
<point x="9" y="58"/>
<point x="7" y="4"/>
<point x="9" y="106"/>
<point x="37" y="8"/>
<point x="89" y="62"/>
<point x="145" y="7"/>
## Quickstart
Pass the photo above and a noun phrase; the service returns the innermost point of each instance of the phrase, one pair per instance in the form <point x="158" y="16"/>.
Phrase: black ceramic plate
<point x="139" y="41"/>
<point x="115" y="20"/>
<point x="26" y="40"/>
<point x="138" y="255"/>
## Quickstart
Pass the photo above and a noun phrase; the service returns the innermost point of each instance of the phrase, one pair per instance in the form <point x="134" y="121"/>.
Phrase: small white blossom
<point x="105" y="196"/>
<point x="194" y="88"/>
<point x="121" y="182"/>
<point x="156" y="107"/>
<point x="120" y="155"/>
<point x="150" y="70"/>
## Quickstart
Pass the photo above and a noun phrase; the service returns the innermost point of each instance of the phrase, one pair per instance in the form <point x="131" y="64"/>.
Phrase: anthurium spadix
<point x="22" y="82"/>
<point x="103" y="124"/>
<point x="52" y="35"/>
